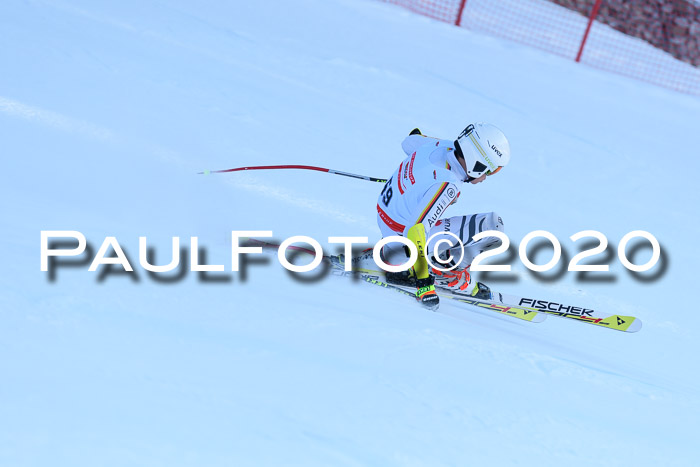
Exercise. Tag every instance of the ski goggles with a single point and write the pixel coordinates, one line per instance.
(481, 167)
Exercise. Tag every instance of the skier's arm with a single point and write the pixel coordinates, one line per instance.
(412, 142)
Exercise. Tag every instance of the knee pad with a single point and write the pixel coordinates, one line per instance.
(466, 227)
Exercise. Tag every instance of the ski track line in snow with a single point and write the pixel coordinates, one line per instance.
(71, 125)
(251, 183)
(240, 62)
(53, 119)
(228, 59)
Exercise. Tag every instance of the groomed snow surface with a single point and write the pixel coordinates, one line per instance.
(108, 111)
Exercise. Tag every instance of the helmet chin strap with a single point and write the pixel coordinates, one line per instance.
(454, 161)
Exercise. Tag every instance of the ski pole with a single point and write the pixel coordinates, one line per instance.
(301, 167)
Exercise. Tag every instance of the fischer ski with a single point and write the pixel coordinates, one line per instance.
(524, 314)
(511, 305)
(586, 315)
(375, 278)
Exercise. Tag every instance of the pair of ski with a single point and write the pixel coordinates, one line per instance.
(378, 280)
(527, 309)
(503, 303)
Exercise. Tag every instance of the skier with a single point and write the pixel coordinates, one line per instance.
(415, 198)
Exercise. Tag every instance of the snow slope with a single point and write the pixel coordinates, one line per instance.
(108, 110)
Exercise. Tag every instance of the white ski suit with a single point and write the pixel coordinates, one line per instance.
(421, 189)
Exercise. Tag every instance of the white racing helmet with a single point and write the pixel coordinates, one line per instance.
(484, 147)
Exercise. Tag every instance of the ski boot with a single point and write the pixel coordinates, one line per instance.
(459, 281)
(456, 279)
(482, 291)
(425, 293)
(404, 278)
(425, 288)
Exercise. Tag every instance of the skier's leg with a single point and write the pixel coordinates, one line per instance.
(419, 274)
(449, 255)
(425, 288)
(465, 228)
(392, 253)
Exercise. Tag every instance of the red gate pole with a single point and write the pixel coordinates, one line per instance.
(458, 20)
(594, 13)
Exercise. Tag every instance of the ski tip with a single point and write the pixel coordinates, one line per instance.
(635, 326)
(620, 323)
(538, 318)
